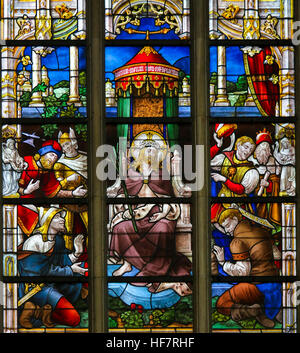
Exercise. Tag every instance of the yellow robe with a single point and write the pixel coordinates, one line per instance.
(62, 172)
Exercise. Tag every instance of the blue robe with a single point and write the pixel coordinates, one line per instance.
(54, 263)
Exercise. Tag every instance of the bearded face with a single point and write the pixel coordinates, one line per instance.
(263, 153)
(48, 160)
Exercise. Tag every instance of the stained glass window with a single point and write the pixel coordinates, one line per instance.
(148, 82)
(253, 166)
(149, 258)
(148, 19)
(148, 115)
(251, 81)
(250, 19)
(43, 20)
(43, 82)
(44, 167)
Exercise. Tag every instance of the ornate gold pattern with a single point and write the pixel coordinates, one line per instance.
(251, 26)
(133, 16)
(63, 11)
(230, 13)
(269, 26)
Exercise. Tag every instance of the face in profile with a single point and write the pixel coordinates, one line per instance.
(48, 160)
(58, 223)
(230, 224)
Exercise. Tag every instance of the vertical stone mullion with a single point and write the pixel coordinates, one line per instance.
(97, 210)
(201, 207)
(297, 99)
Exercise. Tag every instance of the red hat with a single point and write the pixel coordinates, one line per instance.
(50, 146)
(263, 136)
(224, 130)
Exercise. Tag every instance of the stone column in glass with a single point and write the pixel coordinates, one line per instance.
(222, 98)
(74, 97)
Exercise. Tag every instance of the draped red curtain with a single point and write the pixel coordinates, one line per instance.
(263, 74)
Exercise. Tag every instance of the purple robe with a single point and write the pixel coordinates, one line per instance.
(152, 250)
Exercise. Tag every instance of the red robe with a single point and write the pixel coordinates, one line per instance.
(49, 187)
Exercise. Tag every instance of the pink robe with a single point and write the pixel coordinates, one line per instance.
(152, 250)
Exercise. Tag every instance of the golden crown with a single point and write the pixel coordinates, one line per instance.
(63, 11)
